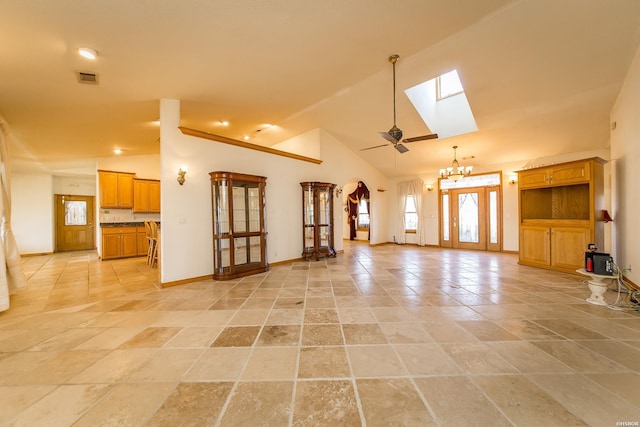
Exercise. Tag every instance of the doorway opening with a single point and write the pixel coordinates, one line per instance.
(470, 213)
(74, 223)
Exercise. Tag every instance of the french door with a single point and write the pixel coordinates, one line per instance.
(470, 218)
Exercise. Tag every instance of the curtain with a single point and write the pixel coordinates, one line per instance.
(409, 188)
(361, 192)
(11, 275)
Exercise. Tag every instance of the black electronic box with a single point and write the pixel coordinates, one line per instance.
(598, 263)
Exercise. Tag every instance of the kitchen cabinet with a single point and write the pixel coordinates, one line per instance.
(119, 242)
(560, 213)
(146, 195)
(142, 243)
(116, 189)
(239, 230)
(317, 219)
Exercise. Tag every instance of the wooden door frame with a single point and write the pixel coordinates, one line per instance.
(495, 247)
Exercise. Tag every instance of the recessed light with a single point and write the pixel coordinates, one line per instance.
(224, 123)
(117, 151)
(246, 138)
(88, 53)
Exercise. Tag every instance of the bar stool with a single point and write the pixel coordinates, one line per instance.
(155, 244)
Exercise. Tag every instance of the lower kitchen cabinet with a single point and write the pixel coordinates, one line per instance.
(119, 242)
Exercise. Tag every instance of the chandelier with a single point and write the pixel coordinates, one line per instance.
(455, 171)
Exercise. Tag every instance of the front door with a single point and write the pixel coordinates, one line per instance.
(75, 228)
(470, 218)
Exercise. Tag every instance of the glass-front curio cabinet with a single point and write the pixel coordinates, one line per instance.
(317, 219)
(239, 234)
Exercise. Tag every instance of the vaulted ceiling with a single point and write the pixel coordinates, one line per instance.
(541, 76)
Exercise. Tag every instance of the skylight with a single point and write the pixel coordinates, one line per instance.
(443, 105)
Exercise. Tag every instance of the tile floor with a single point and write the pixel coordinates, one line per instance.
(378, 336)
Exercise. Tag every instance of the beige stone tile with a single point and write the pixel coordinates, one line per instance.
(63, 406)
(320, 302)
(28, 338)
(285, 317)
(259, 404)
(524, 403)
(219, 364)
(375, 361)
(455, 400)
(16, 364)
(528, 330)
(279, 335)
(16, 399)
(194, 337)
(387, 402)
(127, 404)
(569, 329)
(486, 330)
(478, 358)
(249, 317)
(447, 331)
(616, 351)
(109, 339)
(192, 404)
(405, 333)
(351, 301)
(318, 335)
(589, 401)
(330, 403)
(392, 314)
(152, 337)
(321, 315)
(426, 359)
(528, 358)
(579, 358)
(363, 333)
(323, 362)
(271, 363)
(60, 368)
(289, 303)
(237, 336)
(356, 315)
(625, 385)
(114, 366)
(166, 365)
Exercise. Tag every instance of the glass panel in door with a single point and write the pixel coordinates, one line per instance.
(468, 218)
(323, 202)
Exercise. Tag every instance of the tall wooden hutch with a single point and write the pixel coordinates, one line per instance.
(239, 234)
(317, 219)
(560, 209)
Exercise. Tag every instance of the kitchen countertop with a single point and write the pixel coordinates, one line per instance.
(124, 224)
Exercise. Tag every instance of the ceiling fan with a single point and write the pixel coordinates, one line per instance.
(394, 135)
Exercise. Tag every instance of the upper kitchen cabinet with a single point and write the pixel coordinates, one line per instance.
(116, 189)
(146, 195)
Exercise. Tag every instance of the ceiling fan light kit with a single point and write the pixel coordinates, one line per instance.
(394, 135)
(455, 172)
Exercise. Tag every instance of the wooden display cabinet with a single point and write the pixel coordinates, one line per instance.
(239, 233)
(317, 219)
(560, 213)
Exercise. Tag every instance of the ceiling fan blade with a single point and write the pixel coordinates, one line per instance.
(388, 137)
(421, 138)
(401, 148)
(371, 148)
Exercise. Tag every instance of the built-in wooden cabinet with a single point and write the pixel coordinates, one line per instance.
(560, 213)
(119, 242)
(239, 232)
(317, 219)
(142, 243)
(116, 189)
(146, 195)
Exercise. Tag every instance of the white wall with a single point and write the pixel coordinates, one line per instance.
(187, 244)
(32, 212)
(625, 175)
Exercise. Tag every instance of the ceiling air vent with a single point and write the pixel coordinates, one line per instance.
(89, 78)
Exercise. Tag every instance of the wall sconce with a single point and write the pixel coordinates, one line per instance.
(338, 192)
(513, 178)
(605, 216)
(429, 187)
(181, 173)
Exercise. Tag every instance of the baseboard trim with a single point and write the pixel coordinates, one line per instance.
(36, 254)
